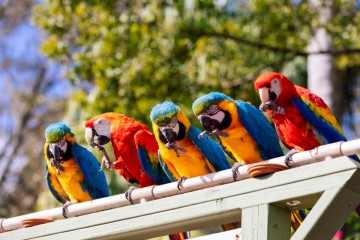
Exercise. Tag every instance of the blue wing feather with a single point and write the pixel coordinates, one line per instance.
(262, 133)
(96, 180)
(154, 170)
(327, 131)
(211, 150)
(165, 168)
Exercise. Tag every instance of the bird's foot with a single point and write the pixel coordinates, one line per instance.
(202, 134)
(175, 147)
(235, 168)
(180, 182)
(128, 194)
(218, 133)
(65, 208)
(288, 157)
(107, 163)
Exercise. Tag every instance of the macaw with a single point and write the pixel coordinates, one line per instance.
(72, 172)
(242, 130)
(135, 150)
(135, 147)
(181, 153)
(302, 119)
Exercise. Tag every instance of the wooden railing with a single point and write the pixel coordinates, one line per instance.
(330, 188)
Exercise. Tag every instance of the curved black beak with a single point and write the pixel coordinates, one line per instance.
(208, 123)
(57, 152)
(169, 134)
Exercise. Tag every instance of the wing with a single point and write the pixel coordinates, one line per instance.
(260, 130)
(211, 150)
(169, 170)
(319, 115)
(90, 167)
(147, 149)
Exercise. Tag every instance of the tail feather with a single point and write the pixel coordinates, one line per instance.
(178, 236)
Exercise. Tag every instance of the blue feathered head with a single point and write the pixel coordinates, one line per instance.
(56, 131)
(201, 104)
(163, 113)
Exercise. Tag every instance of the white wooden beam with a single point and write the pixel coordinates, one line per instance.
(203, 208)
(328, 215)
(265, 221)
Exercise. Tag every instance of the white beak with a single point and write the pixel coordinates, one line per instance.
(264, 94)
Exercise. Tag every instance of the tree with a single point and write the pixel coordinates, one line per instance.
(28, 84)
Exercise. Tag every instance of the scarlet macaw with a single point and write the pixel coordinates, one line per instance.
(302, 119)
(130, 139)
(72, 172)
(135, 150)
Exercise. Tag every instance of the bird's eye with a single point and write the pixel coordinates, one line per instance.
(99, 121)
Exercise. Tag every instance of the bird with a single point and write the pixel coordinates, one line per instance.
(241, 129)
(72, 172)
(302, 119)
(122, 131)
(243, 132)
(181, 153)
(135, 149)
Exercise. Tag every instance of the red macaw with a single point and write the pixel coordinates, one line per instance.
(302, 119)
(122, 131)
(135, 150)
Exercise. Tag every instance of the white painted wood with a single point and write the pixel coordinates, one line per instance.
(206, 181)
(265, 221)
(228, 235)
(328, 215)
(202, 208)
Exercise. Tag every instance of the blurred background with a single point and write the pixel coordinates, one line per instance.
(68, 60)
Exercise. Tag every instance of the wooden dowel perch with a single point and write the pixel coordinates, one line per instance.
(155, 192)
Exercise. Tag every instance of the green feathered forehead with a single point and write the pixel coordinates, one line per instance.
(203, 103)
(56, 131)
(162, 114)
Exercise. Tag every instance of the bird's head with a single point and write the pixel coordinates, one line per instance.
(98, 130)
(170, 121)
(59, 137)
(274, 88)
(211, 116)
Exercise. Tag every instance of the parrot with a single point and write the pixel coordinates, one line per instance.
(135, 149)
(242, 130)
(179, 146)
(302, 119)
(72, 172)
(181, 153)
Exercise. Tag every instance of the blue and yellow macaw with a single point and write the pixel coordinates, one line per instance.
(181, 152)
(72, 172)
(243, 131)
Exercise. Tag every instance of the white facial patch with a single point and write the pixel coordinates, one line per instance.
(62, 145)
(276, 87)
(102, 127)
(174, 126)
